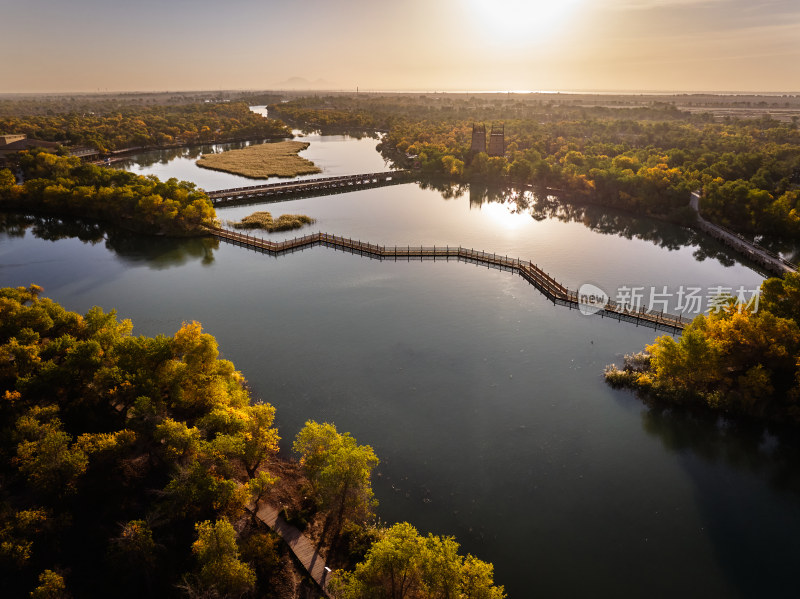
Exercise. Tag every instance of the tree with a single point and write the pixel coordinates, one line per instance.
(339, 470)
(736, 359)
(7, 178)
(403, 564)
(220, 568)
(133, 557)
(260, 486)
(782, 296)
(51, 586)
(135, 546)
(260, 550)
(260, 437)
(46, 455)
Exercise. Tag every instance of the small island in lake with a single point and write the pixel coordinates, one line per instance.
(264, 220)
(262, 161)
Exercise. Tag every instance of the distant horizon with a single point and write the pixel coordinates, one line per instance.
(342, 90)
(452, 46)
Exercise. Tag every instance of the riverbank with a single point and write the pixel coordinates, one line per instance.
(123, 154)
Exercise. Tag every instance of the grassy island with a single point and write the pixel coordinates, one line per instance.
(264, 220)
(262, 161)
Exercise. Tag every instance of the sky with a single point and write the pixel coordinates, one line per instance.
(414, 45)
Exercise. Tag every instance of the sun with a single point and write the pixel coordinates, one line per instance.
(504, 215)
(513, 18)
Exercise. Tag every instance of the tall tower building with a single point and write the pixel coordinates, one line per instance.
(497, 140)
(478, 139)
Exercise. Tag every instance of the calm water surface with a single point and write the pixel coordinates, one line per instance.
(485, 402)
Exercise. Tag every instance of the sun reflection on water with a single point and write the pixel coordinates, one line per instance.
(505, 215)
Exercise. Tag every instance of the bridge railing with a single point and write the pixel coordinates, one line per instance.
(749, 244)
(314, 181)
(532, 273)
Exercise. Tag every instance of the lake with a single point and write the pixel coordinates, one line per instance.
(485, 402)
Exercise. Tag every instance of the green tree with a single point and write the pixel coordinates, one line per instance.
(260, 437)
(217, 553)
(260, 486)
(7, 178)
(403, 564)
(340, 470)
(781, 297)
(46, 454)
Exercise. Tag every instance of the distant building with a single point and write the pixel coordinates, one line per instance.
(11, 138)
(497, 141)
(17, 142)
(478, 139)
(85, 153)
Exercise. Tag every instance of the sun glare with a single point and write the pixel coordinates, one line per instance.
(504, 215)
(520, 17)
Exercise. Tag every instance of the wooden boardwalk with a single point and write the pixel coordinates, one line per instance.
(768, 260)
(529, 271)
(303, 548)
(293, 188)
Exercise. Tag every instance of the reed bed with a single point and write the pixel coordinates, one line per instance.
(264, 220)
(262, 161)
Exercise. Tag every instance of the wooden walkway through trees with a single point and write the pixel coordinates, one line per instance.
(537, 277)
(301, 546)
(320, 186)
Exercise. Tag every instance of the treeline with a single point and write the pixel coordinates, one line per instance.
(328, 120)
(749, 171)
(108, 128)
(105, 103)
(65, 186)
(128, 464)
(644, 159)
(372, 111)
(113, 447)
(741, 360)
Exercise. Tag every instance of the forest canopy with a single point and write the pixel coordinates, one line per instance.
(107, 126)
(114, 446)
(66, 186)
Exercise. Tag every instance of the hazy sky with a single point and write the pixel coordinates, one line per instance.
(90, 45)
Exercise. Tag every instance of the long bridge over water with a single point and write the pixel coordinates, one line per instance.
(765, 258)
(320, 186)
(551, 288)
(547, 285)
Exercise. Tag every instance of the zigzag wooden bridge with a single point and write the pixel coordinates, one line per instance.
(537, 277)
(290, 189)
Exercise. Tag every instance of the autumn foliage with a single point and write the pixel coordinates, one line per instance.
(108, 126)
(66, 187)
(114, 446)
(737, 360)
